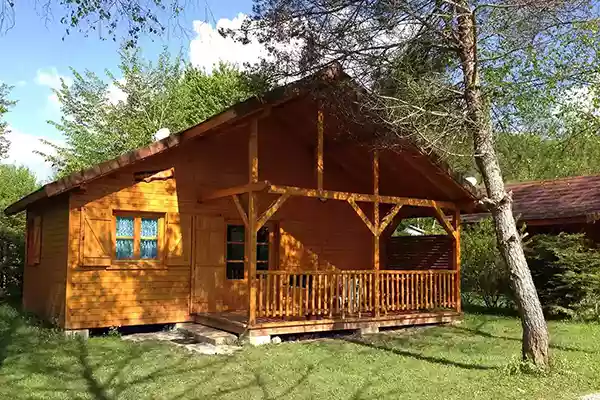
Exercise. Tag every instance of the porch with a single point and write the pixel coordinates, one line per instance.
(300, 296)
(301, 302)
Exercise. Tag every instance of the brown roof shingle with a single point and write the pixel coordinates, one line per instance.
(571, 197)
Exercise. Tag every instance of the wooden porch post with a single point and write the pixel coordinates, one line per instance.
(376, 232)
(456, 226)
(251, 228)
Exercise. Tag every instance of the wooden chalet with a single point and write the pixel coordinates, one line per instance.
(261, 220)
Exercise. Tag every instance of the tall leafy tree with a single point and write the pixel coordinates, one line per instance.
(102, 120)
(5, 104)
(15, 182)
(471, 50)
(110, 19)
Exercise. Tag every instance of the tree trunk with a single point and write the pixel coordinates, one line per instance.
(535, 331)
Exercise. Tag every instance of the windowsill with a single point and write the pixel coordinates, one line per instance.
(137, 264)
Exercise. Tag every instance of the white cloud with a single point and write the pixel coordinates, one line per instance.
(52, 79)
(209, 48)
(21, 152)
(114, 94)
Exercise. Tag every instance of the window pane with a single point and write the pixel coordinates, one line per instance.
(124, 248)
(235, 233)
(262, 266)
(263, 235)
(149, 248)
(235, 270)
(262, 252)
(235, 251)
(124, 226)
(149, 228)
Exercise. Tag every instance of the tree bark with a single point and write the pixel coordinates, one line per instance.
(535, 331)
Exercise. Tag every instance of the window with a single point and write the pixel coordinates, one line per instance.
(136, 237)
(236, 236)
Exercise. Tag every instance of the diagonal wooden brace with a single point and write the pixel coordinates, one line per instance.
(240, 208)
(362, 216)
(271, 211)
(439, 215)
(389, 217)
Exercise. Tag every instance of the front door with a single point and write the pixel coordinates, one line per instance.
(212, 291)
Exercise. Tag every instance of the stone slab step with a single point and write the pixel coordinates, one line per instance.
(206, 334)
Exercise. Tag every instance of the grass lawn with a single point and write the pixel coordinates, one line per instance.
(474, 360)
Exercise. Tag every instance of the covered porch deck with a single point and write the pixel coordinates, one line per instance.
(301, 302)
(296, 300)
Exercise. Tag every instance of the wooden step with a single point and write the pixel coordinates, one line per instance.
(206, 334)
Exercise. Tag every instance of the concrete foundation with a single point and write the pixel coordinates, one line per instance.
(259, 340)
(369, 330)
(82, 333)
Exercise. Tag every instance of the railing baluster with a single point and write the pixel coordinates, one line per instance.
(260, 295)
(344, 295)
(281, 277)
(319, 295)
(268, 295)
(445, 290)
(331, 280)
(430, 290)
(421, 294)
(294, 289)
(413, 284)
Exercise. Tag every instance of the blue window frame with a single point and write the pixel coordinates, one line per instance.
(137, 237)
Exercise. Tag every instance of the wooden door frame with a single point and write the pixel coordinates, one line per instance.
(274, 244)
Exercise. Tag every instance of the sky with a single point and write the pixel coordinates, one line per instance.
(39, 54)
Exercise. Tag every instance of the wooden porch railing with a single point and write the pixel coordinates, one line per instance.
(344, 294)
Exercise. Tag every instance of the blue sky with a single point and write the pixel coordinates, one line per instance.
(39, 53)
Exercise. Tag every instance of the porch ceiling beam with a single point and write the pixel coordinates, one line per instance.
(439, 215)
(271, 211)
(220, 193)
(363, 216)
(344, 196)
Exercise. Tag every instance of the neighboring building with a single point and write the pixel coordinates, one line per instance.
(260, 220)
(556, 205)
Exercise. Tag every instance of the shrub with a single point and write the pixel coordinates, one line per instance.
(483, 272)
(566, 272)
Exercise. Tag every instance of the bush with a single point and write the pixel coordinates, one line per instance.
(566, 272)
(12, 254)
(483, 272)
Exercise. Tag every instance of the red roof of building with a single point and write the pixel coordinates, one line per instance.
(576, 198)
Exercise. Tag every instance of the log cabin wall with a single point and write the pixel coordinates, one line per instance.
(121, 294)
(312, 234)
(44, 280)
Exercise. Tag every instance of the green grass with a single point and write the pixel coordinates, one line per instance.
(474, 360)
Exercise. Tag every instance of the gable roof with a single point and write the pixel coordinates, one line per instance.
(565, 198)
(234, 114)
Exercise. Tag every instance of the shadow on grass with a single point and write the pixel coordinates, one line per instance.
(478, 330)
(484, 310)
(108, 369)
(418, 356)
